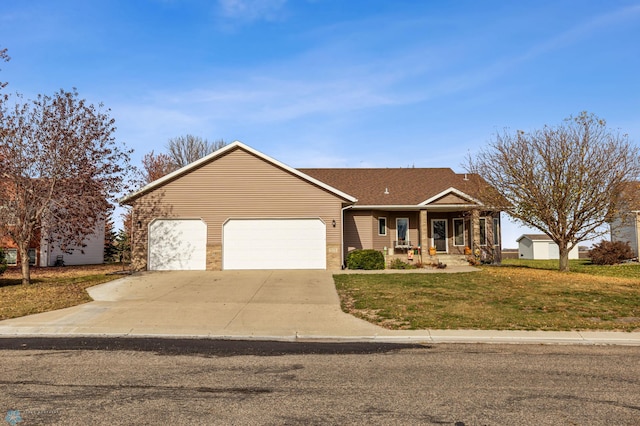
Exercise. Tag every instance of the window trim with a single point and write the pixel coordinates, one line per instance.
(464, 236)
(496, 231)
(14, 250)
(382, 218)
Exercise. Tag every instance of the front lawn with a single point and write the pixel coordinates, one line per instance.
(516, 296)
(625, 270)
(50, 288)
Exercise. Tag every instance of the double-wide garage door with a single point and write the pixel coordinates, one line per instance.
(181, 244)
(274, 244)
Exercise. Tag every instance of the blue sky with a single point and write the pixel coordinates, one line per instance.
(333, 83)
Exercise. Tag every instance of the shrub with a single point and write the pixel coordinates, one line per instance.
(365, 259)
(3, 262)
(610, 253)
(399, 264)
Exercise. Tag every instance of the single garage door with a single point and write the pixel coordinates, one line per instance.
(274, 244)
(177, 244)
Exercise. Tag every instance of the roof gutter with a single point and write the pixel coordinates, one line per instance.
(415, 207)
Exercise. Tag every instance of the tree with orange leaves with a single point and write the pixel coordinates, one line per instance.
(60, 166)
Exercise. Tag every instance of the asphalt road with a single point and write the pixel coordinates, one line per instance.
(154, 381)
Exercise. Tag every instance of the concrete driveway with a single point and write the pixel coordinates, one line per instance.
(281, 304)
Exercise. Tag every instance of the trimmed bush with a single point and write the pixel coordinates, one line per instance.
(365, 259)
(399, 264)
(610, 253)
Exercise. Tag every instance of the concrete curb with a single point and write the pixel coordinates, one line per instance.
(427, 337)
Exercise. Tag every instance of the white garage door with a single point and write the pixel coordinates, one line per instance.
(274, 244)
(177, 244)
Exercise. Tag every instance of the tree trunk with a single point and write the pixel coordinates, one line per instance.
(564, 257)
(24, 262)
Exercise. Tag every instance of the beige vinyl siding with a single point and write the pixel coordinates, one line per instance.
(361, 229)
(241, 185)
(413, 226)
(451, 199)
(381, 241)
(358, 230)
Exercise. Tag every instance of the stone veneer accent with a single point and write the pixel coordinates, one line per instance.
(424, 236)
(334, 257)
(214, 257)
(475, 226)
(139, 252)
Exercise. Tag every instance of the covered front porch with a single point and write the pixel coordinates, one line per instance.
(428, 235)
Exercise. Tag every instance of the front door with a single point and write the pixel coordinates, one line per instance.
(439, 233)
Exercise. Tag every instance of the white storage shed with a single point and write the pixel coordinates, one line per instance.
(540, 246)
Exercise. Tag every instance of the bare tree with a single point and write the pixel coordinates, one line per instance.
(60, 167)
(4, 57)
(565, 181)
(184, 150)
(156, 166)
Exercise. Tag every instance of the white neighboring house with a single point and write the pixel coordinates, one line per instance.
(91, 254)
(625, 227)
(541, 247)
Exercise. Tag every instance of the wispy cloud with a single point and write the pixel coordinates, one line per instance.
(336, 78)
(247, 11)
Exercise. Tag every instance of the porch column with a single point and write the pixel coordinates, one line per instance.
(424, 233)
(475, 230)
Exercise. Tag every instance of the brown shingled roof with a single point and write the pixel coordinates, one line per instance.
(410, 186)
(535, 237)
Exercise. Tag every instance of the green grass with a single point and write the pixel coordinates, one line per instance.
(519, 296)
(625, 270)
(50, 288)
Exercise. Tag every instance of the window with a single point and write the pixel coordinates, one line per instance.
(402, 231)
(382, 226)
(11, 256)
(496, 231)
(458, 232)
(483, 231)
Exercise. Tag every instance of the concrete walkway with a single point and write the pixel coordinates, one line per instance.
(261, 305)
